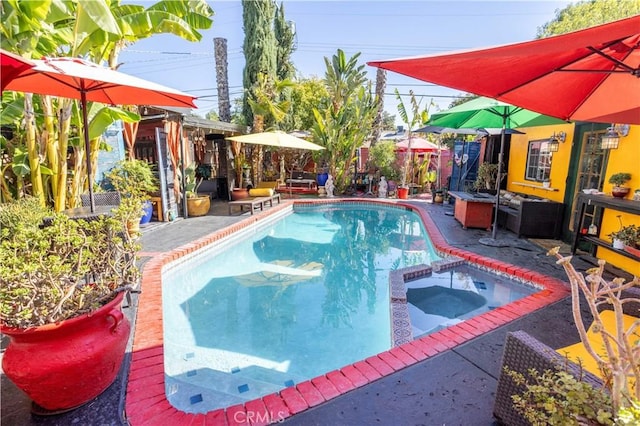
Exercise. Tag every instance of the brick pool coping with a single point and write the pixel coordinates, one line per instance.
(146, 402)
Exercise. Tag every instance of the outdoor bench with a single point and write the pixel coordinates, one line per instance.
(530, 216)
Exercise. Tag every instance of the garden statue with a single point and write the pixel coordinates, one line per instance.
(328, 186)
(382, 187)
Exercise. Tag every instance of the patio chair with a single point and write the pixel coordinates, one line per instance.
(110, 198)
(523, 352)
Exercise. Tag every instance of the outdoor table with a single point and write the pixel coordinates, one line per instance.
(473, 210)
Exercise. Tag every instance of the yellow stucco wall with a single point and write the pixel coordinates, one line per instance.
(624, 159)
(559, 162)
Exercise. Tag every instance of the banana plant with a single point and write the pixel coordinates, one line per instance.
(96, 31)
(417, 117)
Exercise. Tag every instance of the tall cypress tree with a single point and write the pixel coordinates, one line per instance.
(259, 46)
(285, 38)
(285, 70)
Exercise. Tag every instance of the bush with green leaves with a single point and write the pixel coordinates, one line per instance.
(134, 180)
(619, 179)
(558, 398)
(60, 269)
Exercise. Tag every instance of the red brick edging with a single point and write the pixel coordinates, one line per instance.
(146, 403)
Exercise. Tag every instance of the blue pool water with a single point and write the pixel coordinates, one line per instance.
(451, 296)
(303, 296)
(298, 298)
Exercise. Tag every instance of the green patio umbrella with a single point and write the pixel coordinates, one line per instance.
(484, 112)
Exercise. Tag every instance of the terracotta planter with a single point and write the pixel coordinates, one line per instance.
(403, 193)
(620, 191)
(239, 193)
(64, 365)
(198, 206)
(634, 251)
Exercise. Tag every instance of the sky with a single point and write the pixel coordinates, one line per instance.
(376, 29)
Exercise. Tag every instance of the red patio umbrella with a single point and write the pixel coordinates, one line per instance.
(417, 145)
(589, 75)
(78, 79)
(11, 65)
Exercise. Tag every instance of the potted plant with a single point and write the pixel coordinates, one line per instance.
(61, 287)
(134, 180)
(197, 205)
(486, 177)
(618, 180)
(627, 238)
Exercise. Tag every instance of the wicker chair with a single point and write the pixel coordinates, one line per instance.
(111, 198)
(523, 352)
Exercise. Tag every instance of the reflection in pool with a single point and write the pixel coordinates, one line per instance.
(305, 295)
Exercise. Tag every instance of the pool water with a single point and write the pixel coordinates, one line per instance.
(448, 297)
(301, 297)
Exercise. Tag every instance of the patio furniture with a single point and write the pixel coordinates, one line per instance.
(255, 202)
(473, 210)
(530, 216)
(523, 352)
(110, 198)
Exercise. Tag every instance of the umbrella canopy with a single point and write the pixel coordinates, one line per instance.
(486, 113)
(417, 145)
(79, 79)
(439, 130)
(588, 75)
(482, 112)
(73, 78)
(276, 138)
(11, 65)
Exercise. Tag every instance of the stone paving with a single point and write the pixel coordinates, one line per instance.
(456, 386)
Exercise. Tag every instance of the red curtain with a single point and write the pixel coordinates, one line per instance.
(173, 129)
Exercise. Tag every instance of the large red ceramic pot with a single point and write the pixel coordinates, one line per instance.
(64, 365)
(403, 193)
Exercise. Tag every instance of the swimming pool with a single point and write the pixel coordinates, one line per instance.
(279, 305)
(147, 382)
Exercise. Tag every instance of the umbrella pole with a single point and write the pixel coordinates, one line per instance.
(87, 148)
(498, 179)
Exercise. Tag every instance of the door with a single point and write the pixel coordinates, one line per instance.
(465, 165)
(590, 175)
(166, 177)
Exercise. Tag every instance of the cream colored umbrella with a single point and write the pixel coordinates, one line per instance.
(276, 138)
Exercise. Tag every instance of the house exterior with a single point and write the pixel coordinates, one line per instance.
(580, 164)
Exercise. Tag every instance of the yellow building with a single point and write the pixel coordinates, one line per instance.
(580, 163)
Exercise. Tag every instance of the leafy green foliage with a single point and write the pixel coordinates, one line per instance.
(558, 398)
(344, 126)
(55, 272)
(134, 179)
(306, 95)
(417, 117)
(383, 157)
(619, 179)
(629, 416)
(584, 14)
(259, 47)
